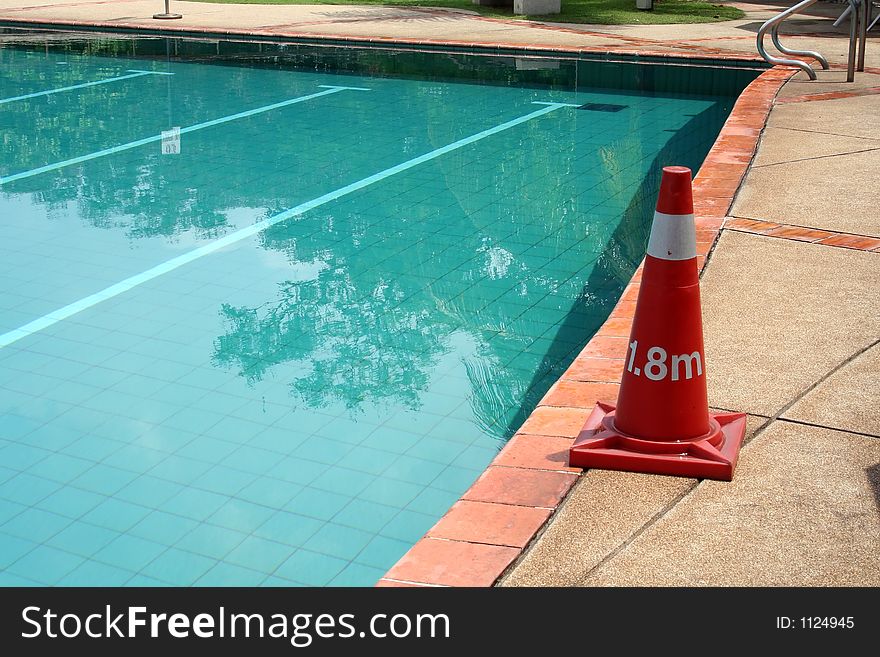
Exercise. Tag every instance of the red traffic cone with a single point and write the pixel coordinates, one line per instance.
(662, 423)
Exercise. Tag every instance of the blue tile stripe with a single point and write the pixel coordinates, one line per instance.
(330, 89)
(133, 73)
(130, 283)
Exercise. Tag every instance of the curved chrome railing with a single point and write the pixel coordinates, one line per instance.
(774, 36)
(773, 26)
(860, 15)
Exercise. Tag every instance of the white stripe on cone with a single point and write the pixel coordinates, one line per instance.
(673, 237)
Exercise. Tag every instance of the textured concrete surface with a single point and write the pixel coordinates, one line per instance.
(847, 399)
(781, 145)
(850, 117)
(778, 315)
(603, 512)
(802, 511)
(811, 147)
(833, 80)
(798, 193)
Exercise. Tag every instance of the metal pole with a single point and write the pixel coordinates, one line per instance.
(853, 37)
(167, 13)
(863, 34)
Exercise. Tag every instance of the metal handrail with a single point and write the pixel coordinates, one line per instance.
(774, 35)
(773, 24)
(858, 27)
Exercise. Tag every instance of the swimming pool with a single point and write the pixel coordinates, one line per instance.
(268, 309)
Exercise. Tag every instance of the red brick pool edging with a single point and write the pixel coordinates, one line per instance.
(489, 528)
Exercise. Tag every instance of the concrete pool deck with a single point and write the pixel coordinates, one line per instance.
(790, 295)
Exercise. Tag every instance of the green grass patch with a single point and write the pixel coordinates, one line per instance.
(602, 12)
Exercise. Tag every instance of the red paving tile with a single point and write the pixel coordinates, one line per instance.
(798, 233)
(606, 346)
(830, 95)
(802, 234)
(536, 452)
(555, 421)
(453, 563)
(502, 485)
(751, 225)
(579, 394)
(490, 523)
(705, 206)
(859, 242)
(617, 326)
(596, 369)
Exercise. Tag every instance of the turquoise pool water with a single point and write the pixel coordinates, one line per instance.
(277, 356)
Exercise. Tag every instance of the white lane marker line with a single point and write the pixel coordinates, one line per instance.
(330, 89)
(541, 102)
(132, 282)
(133, 73)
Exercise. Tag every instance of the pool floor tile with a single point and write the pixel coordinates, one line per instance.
(178, 568)
(12, 548)
(240, 515)
(103, 479)
(298, 408)
(27, 489)
(269, 492)
(408, 526)
(195, 503)
(35, 524)
(227, 574)
(338, 541)
(289, 528)
(311, 568)
(94, 574)
(116, 514)
(211, 541)
(319, 504)
(364, 515)
(129, 552)
(259, 554)
(383, 552)
(356, 574)
(82, 539)
(163, 527)
(45, 564)
(224, 481)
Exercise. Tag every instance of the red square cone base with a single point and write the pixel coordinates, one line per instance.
(712, 456)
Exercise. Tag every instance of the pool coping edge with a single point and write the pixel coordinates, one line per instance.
(708, 56)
